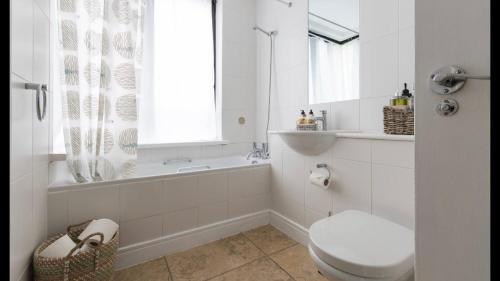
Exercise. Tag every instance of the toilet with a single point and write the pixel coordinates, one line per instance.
(357, 246)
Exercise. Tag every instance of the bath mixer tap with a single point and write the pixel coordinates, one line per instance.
(256, 152)
(322, 118)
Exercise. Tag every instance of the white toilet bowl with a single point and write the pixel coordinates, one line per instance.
(357, 246)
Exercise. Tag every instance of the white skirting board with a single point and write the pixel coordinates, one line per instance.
(166, 245)
(294, 230)
(156, 248)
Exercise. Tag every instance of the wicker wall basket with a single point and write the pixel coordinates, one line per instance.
(95, 263)
(398, 121)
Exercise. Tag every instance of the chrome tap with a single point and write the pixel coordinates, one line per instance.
(322, 119)
(261, 153)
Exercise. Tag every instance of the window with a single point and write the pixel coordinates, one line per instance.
(178, 104)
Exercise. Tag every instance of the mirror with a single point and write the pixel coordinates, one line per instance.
(333, 50)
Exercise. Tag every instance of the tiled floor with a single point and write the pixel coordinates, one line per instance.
(260, 254)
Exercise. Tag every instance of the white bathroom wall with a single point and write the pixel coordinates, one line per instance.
(386, 62)
(236, 70)
(375, 176)
(28, 136)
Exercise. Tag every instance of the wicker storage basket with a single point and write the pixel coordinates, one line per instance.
(398, 121)
(95, 263)
(307, 127)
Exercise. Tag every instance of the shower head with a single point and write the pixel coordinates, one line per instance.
(265, 32)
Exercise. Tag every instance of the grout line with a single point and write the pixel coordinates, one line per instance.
(168, 268)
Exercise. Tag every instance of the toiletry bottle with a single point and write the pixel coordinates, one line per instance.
(399, 100)
(411, 99)
(302, 118)
(311, 120)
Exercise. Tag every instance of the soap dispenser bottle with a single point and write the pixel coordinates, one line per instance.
(311, 120)
(302, 118)
(411, 101)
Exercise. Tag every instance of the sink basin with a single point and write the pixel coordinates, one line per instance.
(308, 142)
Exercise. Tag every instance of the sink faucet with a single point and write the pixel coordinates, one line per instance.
(322, 118)
(256, 152)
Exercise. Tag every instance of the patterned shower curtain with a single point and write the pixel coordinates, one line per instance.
(101, 49)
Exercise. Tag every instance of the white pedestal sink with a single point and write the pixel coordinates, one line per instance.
(309, 142)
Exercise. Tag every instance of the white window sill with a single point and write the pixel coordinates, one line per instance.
(181, 144)
(62, 156)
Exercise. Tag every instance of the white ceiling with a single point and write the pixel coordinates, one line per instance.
(343, 12)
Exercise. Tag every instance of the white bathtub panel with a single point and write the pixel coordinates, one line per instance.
(142, 199)
(57, 212)
(139, 230)
(211, 213)
(211, 188)
(179, 193)
(94, 203)
(249, 204)
(180, 220)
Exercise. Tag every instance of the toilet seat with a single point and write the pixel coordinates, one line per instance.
(363, 245)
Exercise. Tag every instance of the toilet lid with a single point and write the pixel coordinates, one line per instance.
(363, 244)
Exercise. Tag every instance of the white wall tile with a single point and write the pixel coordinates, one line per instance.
(180, 220)
(57, 212)
(233, 149)
(377, 18)
(294, 174)
(40, 184)
(372, 115)
(141, 199)
(288, 207)
(21, 224)
(233, 130)
(352, 149)
(394, 194)
(211, 151)
(344, 115)
(378, 69)
(189, 152)
(212, 212)
(406, 58)
(211, 188)
(238, 92)
(351, 186)
(44, 6)
(93, 203)
(22, 38)
(179, 193)
(140, 230)
(312, 217)
(395, 153)
(406, 13)
(21, 115)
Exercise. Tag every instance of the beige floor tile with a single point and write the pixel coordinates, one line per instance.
(262, 269)
(155, 270)
(212, 259)
(269, 239)
(297, 262)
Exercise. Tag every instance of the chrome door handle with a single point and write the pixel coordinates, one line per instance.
(450, 79)
(40, 88)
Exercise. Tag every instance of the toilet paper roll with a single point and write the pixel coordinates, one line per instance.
(105, 226)
(319, 180)
(59, 248)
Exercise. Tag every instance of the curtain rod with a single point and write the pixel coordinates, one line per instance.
(289, 3)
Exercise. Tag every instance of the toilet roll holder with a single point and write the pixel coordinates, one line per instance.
(323, 166)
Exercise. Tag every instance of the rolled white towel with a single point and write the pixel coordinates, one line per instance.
(59, 248)
(105, 226)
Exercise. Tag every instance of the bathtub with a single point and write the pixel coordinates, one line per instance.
(60, 177)
(168, 206)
